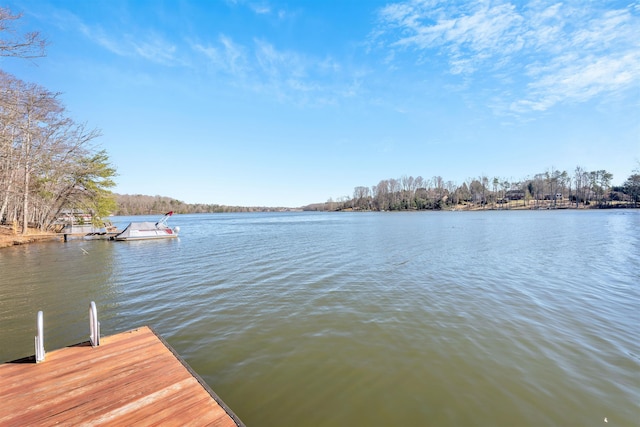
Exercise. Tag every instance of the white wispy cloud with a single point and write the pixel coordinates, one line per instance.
(260, 8)
(469, 37)
(285, 74)
(263, 7)
(559, 52)
(143, 44)
(226, 55)
(154, 48)
(276, 63)
(100, 37)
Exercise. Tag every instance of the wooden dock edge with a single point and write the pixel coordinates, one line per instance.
(198, 378)
(9, 373)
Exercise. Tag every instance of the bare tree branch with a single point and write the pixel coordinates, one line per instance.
(13, 44)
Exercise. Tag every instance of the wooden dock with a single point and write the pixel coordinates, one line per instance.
(132, 378)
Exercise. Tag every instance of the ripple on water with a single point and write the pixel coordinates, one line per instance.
(486, 318)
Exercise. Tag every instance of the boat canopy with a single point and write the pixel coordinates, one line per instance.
(149, 230)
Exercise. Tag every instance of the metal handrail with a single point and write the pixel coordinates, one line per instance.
(94, 325)
(39, 341)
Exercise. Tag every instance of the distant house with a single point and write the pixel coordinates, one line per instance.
(558, 196)
(514, 195)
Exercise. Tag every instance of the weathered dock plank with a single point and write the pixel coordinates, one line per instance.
(132, 378)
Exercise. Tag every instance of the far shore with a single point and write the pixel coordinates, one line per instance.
(12, 237)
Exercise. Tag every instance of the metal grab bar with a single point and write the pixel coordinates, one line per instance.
(94, 325)
(39, 341)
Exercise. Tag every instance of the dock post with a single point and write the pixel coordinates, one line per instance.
(39, 338)
(94, 325)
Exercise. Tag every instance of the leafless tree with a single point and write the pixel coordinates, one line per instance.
(361, 197)
(46, 160)
(13, 44)
(580, 178)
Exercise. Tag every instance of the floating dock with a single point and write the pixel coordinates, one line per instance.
(132, 378)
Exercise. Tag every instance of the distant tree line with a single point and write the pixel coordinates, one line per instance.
(47, 162)
(552, 189)
(138, 204)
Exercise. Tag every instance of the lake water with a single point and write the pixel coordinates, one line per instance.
(499, 318)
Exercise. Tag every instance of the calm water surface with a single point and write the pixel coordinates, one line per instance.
(365, 319)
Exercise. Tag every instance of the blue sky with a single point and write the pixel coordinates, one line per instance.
(286, 103)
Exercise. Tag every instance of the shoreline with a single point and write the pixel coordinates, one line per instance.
(8, 238)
